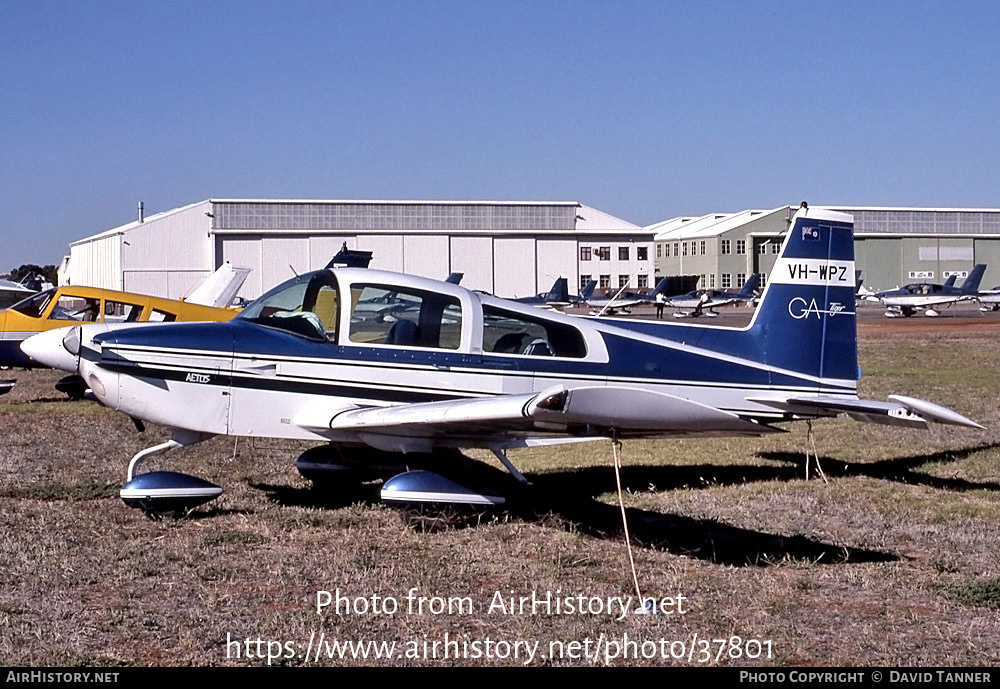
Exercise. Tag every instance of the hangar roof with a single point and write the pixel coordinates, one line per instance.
(711, 225)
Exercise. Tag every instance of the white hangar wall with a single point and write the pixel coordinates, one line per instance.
(506, 248)
(168, 254)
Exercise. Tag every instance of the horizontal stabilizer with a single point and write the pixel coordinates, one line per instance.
(902, 411)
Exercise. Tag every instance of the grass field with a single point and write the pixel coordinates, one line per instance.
(892, 561)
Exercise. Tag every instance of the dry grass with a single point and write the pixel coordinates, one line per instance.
(893, 562)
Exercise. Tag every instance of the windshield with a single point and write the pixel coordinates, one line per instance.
(306, 305)
(35, 304)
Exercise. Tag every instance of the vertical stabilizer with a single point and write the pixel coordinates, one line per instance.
(220, 287)
(970, 285)
(806, 320)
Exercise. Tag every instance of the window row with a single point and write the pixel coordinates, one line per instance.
(603, 253)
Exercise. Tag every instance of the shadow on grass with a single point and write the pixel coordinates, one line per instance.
(569, 500)
(900, 469)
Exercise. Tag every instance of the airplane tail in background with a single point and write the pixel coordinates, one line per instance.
(559, 291)
(588, 290)
(220, 287)
(950, 282)
(749, 288)
(971, 284)
(806, 320)
(660, 286)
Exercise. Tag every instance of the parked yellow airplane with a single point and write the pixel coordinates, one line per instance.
(59, 307)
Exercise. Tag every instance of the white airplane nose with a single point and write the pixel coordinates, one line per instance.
(48, 348)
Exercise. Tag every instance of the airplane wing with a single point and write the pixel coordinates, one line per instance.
(484, 421)
(902, 411)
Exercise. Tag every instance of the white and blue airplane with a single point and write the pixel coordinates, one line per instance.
(703, 302)
(469, 370)
(907, 300)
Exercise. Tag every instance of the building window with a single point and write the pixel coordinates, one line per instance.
(584, 279)
(763, 280)
(605, 281)
(741, 278)
(741, 246)
(684, 248)
(623, 281)
(725, 247)
(641, 253)
(762, 248)
(604, 253)
(623, 253)
(659, 251)
(701, 247)
(584, 253)
(775, 247)
(711, 281)
(675, 249)
(727, 280)
(643, 281)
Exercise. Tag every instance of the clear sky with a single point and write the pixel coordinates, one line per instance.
(645, 110)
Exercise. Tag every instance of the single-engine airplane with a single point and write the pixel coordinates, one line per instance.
(559, 296)
(907, 300)
(297, 364)
(623, 301)
(58, 307)
(702, 302)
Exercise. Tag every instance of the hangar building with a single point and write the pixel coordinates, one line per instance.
(506, 248)
(892, 246)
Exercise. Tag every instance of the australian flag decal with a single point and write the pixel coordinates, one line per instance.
(810, 234)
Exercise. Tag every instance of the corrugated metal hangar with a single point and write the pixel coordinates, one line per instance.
(506, 248)
(511, 249)
(893, 246)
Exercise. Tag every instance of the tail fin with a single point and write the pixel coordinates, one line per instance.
(660, 286)
(220, 287)
(454, 278)
(971, 284)
(559, 291)
(588, 290)
(950, 282)
(806, 321)
(746, 292)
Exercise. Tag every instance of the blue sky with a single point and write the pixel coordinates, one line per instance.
(645, 110)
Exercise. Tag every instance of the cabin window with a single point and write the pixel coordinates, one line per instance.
(157, 316)
(76, 309)
(305, 305)
(121, 312)
(390, 315)
(508, 332)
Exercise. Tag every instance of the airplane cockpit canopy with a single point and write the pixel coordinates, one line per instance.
(305, 305)
(34, 305)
